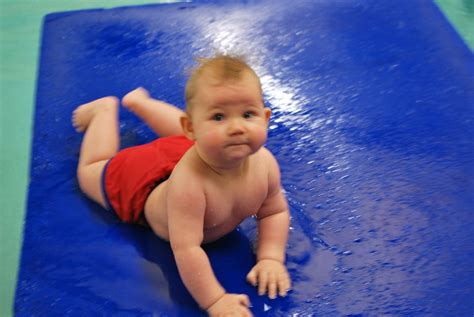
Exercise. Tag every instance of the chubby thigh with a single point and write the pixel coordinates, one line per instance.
(90, 181)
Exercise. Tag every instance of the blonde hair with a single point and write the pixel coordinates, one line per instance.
(223, 68)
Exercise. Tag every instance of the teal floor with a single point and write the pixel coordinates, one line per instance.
(20, 31)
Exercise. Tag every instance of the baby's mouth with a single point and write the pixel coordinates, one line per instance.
(231, 144)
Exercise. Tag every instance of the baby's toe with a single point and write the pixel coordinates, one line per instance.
(77, 125)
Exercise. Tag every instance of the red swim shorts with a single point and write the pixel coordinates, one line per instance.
(130, 176)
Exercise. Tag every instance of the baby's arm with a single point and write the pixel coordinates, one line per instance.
(270, 273)
(186, 208)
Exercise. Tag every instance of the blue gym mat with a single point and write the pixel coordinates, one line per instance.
(373, 125)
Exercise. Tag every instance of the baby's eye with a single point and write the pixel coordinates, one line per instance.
(218, 117)
(248, 114)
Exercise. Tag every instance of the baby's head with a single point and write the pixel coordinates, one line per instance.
(217, 71)
(225, 114)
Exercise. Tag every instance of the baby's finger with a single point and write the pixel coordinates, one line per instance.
(284, 285)
(244, 312)
(262, 283)
(244, 300)
(272, 286)
(252, 277)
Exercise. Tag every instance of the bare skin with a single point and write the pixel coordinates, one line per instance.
(160, 116)
(100, 143)
(224, 178)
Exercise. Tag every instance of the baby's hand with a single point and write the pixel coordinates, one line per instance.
(230, 305)
(270, 275)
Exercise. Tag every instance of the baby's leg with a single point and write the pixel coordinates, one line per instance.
(101, 142)
(161, 117)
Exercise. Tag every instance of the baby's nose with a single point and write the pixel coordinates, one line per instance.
(236, 127)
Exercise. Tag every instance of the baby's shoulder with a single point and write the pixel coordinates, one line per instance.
(187, 170)
(265, 157)
(268, 164)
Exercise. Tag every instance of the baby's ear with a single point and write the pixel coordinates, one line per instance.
(187, 125)
(268, 113)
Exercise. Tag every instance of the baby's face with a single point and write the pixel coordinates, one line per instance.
(229, 119)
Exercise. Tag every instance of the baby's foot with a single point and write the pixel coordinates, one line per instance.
(82, 116)
(135, 98)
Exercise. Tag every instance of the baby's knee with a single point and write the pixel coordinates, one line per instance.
(109, 104)
(82, 177)
(89, 177)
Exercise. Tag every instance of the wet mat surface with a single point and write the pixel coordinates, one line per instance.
(372, 125)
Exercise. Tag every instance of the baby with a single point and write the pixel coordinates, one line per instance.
(206, 173)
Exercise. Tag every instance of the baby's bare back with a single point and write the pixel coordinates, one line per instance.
(229, 199)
